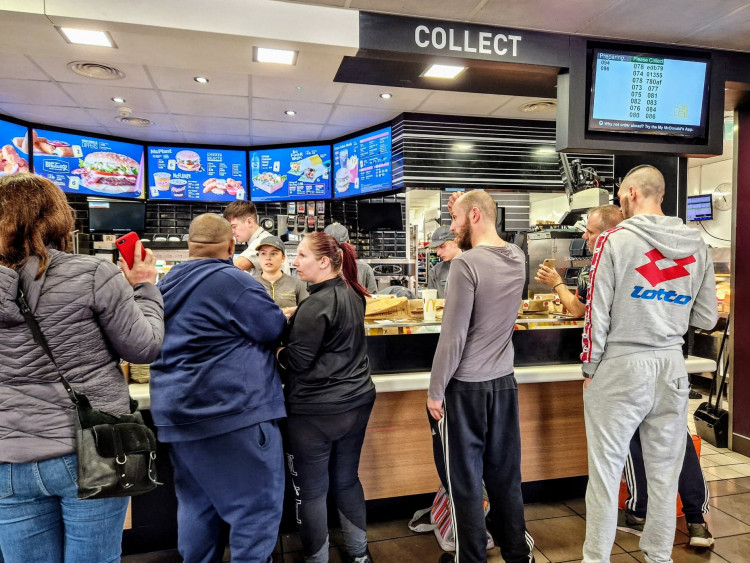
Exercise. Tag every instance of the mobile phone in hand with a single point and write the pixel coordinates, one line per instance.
(126, 246)
(550, 263)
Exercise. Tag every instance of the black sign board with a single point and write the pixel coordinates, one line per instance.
(382, 32)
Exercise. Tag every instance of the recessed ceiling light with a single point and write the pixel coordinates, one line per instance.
(118, 100)
(277, 56)
(386, 96)
(201, 79)
(86, 37)
(462, 147)
(443, 71)
(290, 112)
(545, 150)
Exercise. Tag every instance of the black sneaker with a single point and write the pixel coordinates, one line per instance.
(694, 395)
(447, 558)
(628, 522)
(700, 536)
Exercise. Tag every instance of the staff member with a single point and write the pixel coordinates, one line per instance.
(286, 291)
(365, 274)
(329, 394)
(444, 243)
(243, 217)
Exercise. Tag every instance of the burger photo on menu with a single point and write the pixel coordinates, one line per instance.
(189, 161)
(108, 172)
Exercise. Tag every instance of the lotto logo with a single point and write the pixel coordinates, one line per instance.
(660, 295)
(655, 275)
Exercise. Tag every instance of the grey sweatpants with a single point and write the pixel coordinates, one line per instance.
(647, 390)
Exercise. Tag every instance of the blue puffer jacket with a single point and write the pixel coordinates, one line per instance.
(91, 318)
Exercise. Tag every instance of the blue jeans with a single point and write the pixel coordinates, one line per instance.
(41, 518)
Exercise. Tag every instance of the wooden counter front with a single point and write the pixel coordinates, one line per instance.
(397, 454)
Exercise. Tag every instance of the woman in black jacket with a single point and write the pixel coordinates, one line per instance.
(329, 395)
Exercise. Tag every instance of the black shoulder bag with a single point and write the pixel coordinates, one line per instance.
(116, 454)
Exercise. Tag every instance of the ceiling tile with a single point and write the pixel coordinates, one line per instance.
(181, 80)
(19, 66)
(569, 16)
(295, 90)
(331, 132)
(292, 131)
(35, 92)
(360, 117)
(240, 141)
(138, 99)
(262, 141)
(726, 33)
(75, 118)
(512, 109)
(212, 125)
(307, 112)
(365, 95)
(107, 117)
(56, 67)
(448, 9)
(462, 103)
(203, 104)
(626, 19)
(147, 135)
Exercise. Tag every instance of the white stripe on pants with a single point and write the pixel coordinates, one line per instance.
(647, 390)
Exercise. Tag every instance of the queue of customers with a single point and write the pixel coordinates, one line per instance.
(220, 347)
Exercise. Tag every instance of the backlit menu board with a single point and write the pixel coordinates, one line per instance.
(14, 154)
(193, 174)
(289, 174)
(88, 165)
(363, 164)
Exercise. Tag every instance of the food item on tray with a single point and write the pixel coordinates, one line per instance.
(189, 161)
(220, 186)
(11, 162)
(295, 167)
(310, 173)
(269, 181)
(108, 172)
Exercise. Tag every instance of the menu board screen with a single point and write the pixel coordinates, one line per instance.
(290, 174)
(14, 140)
(651, 94)
(88, 165)
(196, 174)
(363, 164)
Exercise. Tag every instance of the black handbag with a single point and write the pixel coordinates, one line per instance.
(116, 454)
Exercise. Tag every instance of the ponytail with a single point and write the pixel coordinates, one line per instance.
(349, 269)
(342, 256)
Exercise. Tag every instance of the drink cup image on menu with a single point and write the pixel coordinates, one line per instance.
(161, 180)
(352, 163)
(178, 187)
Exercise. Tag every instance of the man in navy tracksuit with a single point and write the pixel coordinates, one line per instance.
(216, 397)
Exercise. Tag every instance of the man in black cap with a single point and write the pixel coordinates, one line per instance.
(444, 243)
(285, 290)
(365, 275)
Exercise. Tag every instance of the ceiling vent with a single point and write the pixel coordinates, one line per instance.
(125, 118)
(539, 106)
(99, 71)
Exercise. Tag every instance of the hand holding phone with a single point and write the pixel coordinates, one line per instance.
(126, 246)
(550, 263)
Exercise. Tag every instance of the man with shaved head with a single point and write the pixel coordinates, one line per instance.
(216, 397)
(473, 398)
(651, 277)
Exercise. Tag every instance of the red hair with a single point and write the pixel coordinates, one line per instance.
(342, 256)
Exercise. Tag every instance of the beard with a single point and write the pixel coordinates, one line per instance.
(463, 236)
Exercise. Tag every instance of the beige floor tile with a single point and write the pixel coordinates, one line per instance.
(710, 476)
(738, 456)
(706, 462)
(420, 549)
(724, 517)
(578, 505)
(720, 459)
(493, 556)
(737, 506)
(540, 511)
(725, 487)
(723, 472)
(561, 539)
(687, 554)
(734, 549)
(629, 542)
(743, 468)
(390, 530)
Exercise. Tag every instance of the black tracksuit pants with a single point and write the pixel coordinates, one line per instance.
(692, 485)
(479, 437)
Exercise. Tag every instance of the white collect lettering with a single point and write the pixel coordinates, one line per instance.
(484, 42)
(660, 295)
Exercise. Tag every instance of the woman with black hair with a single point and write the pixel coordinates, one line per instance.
(329, 395)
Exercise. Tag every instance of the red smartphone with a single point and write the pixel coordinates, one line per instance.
(126, 246)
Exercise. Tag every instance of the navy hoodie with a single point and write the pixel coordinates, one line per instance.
(216, 372)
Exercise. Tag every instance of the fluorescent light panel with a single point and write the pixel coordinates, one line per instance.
(277, 56)
(443, 71)
(86, 37)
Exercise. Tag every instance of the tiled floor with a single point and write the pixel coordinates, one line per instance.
(558, 528)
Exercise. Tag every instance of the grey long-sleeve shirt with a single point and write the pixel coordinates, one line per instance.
(486, 285)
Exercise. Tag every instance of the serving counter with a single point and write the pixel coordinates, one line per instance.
(397, 454)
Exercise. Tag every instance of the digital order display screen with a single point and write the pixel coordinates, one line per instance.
(14, 148)
(362, 164)
(700, 208)
(290, 174)
(196, 174)
(88, 165)
(648, 94)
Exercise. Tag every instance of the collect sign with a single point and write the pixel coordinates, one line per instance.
(381, 32)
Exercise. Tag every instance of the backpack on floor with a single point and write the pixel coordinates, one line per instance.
(441, 522)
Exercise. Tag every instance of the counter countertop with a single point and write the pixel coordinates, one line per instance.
(395, 382)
